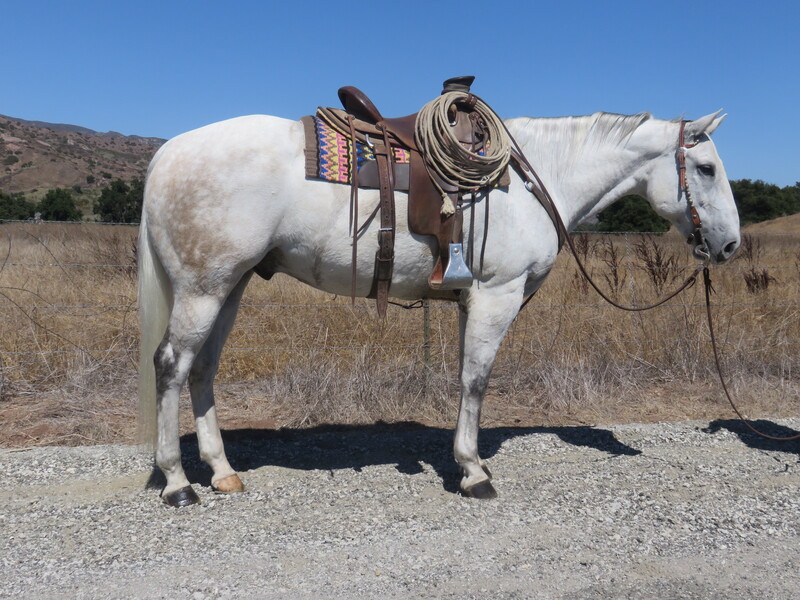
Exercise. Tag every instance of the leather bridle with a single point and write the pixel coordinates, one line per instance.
(535, 186)
(700, 249)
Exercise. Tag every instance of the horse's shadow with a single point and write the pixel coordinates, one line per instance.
(406, 445)
(753, 440)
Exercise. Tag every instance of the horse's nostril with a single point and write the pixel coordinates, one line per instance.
(730, 248)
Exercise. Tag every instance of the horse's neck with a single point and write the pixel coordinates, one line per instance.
(583, 174)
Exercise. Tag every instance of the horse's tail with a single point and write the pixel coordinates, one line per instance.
(155, 302)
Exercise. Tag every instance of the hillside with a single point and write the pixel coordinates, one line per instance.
(787, 224)
(35, 155)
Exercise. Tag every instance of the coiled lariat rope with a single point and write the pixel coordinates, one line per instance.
(446, 155)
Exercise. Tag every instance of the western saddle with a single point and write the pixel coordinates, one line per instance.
(429, 210)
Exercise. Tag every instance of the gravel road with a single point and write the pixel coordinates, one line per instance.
(680, 510)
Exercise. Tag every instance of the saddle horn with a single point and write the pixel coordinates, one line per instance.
(458, 84)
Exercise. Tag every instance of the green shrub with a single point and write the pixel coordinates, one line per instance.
(15, 208)
(58, 205)
(120, 202)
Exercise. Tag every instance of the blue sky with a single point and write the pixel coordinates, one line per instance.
(161, 68)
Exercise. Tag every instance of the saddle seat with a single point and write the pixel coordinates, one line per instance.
(356, 103)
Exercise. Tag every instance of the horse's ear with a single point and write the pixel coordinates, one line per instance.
(715, 123)
(707, 125)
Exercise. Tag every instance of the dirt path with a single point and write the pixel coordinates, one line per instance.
(683, 510)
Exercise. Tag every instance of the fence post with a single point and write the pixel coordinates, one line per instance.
(426, 342)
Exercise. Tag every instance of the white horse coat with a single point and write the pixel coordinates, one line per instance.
(232, 197)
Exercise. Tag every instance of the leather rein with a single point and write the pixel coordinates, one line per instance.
(536, 187)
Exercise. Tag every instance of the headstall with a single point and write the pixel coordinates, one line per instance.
(700, 248)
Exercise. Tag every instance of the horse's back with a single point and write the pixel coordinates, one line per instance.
(234, 146)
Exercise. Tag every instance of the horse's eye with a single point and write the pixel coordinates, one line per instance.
(707, 170)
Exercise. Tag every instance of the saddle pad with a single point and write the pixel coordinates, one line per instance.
(329, 155)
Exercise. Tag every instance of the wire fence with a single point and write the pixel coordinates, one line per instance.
(68, 304)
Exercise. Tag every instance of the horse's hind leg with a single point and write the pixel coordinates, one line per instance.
(190, 323)
(201, 380)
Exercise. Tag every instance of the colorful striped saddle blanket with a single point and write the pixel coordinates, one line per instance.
(332, 156)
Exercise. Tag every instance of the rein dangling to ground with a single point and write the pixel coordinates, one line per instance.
(708, 289)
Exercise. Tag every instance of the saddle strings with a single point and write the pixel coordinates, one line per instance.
(353, 211)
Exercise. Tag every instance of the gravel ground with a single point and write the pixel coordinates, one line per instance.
(681, 510)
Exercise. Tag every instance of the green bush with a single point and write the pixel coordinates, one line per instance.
(15, 208)
(759, 201)
(120, 202)
(58, 205)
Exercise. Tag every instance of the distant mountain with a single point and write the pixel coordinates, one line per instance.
(38, 155)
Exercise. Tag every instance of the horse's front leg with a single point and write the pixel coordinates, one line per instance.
(484, 319)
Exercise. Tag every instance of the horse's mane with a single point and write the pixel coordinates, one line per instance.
(575, 135)
(599, 128)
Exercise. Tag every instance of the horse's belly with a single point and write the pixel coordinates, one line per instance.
(329, 267)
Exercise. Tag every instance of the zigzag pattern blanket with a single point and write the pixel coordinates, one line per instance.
(330, 155)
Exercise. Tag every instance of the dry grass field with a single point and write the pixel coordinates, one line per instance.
(298, 357)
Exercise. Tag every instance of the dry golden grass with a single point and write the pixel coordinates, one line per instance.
(787, 224)
(299, 357)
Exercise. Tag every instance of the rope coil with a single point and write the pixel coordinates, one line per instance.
(446, 155)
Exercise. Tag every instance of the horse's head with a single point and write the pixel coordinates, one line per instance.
(702, 185)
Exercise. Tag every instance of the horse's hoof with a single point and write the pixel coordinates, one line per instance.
(185, 496)
(228, 485)
(482, 491)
